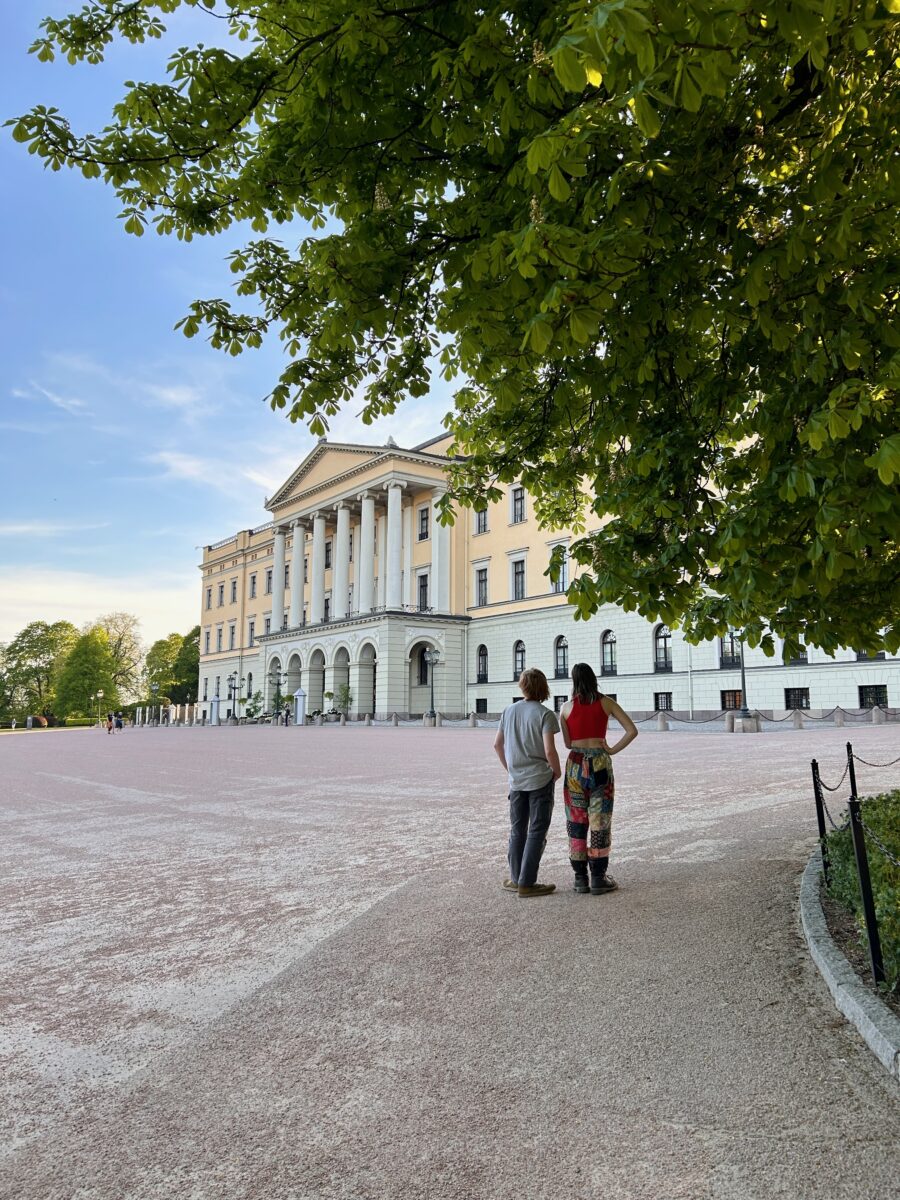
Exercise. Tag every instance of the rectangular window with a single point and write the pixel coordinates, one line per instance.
(560, 584)
(796, 698)
(267, 625)
(800, 660)
(481, 706)
(518, 505)
(218, 679)
(218, 640)
(327, 555)
(731, 699)
(873, 695)
(351, 545)
(519, 579)
(268, 581)
(231, 635)
(252, 587)
(481, 592)
(205, 688)
(209, 597)
(234, 591)
(865, 656)
(350, 600)
(481, 520)
(287, 574)
(251, 633)
(206, 642)
(284, 621)
(306, 570)
(304, 615)
(423, 523)
(423, 592)
(221, 595)
(327, 608)
(558, 702)
(662, 701)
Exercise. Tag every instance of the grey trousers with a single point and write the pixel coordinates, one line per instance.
(529, 820)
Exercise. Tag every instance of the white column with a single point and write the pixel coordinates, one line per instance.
(382, 561)
(340, 580)
(365, 554)
(394, 553)
(317, 571)
(440, 559)
(407, 555)
(354, 541)
(278, 581)
(298, 545)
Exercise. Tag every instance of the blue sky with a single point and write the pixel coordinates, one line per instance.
(123, 445)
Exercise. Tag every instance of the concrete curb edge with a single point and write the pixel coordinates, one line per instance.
(876, 1023)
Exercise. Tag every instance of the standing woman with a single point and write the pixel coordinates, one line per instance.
(589, 788)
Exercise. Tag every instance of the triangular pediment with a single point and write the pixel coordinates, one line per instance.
(331, 461)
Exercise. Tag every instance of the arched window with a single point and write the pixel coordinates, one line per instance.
(518, 659)
(249, 685)
(662, 648)
(608, 653)
(423, 667)
(730, 650)
(482, 667)
(561, 656)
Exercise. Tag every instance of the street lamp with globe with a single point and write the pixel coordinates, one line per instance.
(277, 678)
(99, 703)
(432, 658)
(154, 688)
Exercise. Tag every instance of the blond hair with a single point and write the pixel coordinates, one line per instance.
(534, 685)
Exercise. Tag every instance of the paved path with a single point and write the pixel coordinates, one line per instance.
(245, 963)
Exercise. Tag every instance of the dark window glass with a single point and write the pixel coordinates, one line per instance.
(731, 699)
(561, 658)
(662, 701)
(796, 697)
(800, 659)
(518, 659)
(482, 665)
(865, 656)
(251, 633)
(423, 524)
(481, 706)
(209, 597)
(608, 653)
(872, 695)
(423, 668)
(423, 591)
(268, 580)
(221, 596)
(327, 608)
(481, 525)
(730, 650)
(252, 587)
(662, 649)
(327, 555)
(233, 591)
(481, 592)
(519, 579)
(518, 505)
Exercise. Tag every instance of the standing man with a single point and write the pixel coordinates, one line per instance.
(526, 747)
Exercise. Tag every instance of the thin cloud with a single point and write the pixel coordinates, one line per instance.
(45, 528)
(67, 404)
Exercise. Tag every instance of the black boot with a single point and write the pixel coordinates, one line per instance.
(600, 881)
(581, 875)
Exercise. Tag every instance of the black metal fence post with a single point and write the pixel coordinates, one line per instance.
(820, 818)
(865, 888)
(852, 769)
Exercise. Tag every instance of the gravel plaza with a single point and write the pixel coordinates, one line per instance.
(278, 963)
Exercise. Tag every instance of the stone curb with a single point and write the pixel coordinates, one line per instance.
(876, 1023)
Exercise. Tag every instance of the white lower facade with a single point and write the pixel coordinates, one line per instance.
(379, 657)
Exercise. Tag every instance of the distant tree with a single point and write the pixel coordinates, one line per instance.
(159, 667)
(122, 630)
(89, 668)
(187, 668)
(31, 663)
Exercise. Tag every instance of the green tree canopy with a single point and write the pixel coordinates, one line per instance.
(31, 663)
(187, 668)
(89, 668)
(655, 242)
(159, 666)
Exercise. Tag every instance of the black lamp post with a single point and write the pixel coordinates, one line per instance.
(235, 683)
(432, 658)
(744, 710)
(277, 677)
(154, 688)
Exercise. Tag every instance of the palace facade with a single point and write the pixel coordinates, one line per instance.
(354, 583)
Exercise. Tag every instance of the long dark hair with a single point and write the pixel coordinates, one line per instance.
(584, 684)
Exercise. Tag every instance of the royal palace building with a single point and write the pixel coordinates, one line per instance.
(354, 583)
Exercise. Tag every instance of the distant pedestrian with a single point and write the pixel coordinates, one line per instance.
(526, 747)
(589, 787)
(119, 723)
(109, 722)
(14, 722)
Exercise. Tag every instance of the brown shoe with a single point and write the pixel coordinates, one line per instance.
(510, 886)
(537, 889)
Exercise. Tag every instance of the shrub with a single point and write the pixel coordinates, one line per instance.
(77, 722)
(882, 815)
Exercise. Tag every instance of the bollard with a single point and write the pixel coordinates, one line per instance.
(395, 720)
(473, 721)
(839, 718)
(729, 721)
(798, 719)
(877, 715)
(320, 719)
(661, 723)
(438, 720)
(368, 720)
(343, 720)
(426, 721)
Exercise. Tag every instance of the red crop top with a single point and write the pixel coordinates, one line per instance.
(587, 721)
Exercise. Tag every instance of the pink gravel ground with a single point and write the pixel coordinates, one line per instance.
(278, 963)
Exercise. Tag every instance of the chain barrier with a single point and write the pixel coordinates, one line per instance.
(828, 787)
(692, 721)
(892, 763)
(831, 821)
(880, 844)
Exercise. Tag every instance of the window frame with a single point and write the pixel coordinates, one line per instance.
(793, 693)
(561, 656)
(517, 512)
(517, 670)
(608, 640)
(481, 664)
(662, 637)
(662, 702)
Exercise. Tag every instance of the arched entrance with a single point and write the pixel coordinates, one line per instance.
(274, 690)
(315, 682)
(419, 679)
(294, 676)
(340, 672)
(367, 668)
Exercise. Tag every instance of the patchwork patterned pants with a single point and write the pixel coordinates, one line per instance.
(589, 791)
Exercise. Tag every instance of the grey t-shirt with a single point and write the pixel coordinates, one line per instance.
(524, 725)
